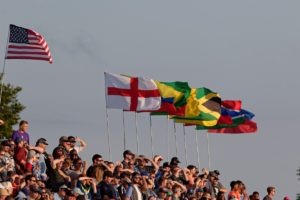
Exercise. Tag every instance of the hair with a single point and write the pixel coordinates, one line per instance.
(23, 122)
(255, 192)
(28, 177)
(95, 157)
(270, 188)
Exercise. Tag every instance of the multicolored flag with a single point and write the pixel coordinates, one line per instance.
(231, 115)
(173, 97)
(203, 108)
(248, 126)
(27, 44)
(131, 93)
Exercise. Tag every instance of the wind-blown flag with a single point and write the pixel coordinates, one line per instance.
(231, 115)
(173, 97)
(27, 44)
(247, 127)
(203, 108)
(131, 93)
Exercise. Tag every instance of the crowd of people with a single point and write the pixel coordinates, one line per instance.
(30, 172)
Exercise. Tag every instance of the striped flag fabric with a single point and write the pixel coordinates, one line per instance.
(27, 44)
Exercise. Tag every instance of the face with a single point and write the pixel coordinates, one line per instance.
(24, 127)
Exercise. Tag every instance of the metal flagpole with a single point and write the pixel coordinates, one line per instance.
(208, 150)
(3, 69)
(185, 150)
(124, 132)
(107, 122)
(175, 137)
(108, 134)
(168, 146)
(198, 153)
(151, 136)
(137, 135)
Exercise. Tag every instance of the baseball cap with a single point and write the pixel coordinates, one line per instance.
(63, 139)
(174, 161)
(76, 190)
(72, 139)
(42, 141)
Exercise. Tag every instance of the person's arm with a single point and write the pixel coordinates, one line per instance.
(82, 143)
(128, 193)
(154, 164)
(183, 188)
(38, 149)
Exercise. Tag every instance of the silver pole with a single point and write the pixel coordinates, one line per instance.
(124, 132)
(185, 150)
(175, 137)
(168, 140)
(3, 69)
(108, 135)
(151, 136)
(198, 153)
(137, 135)
(208, 150)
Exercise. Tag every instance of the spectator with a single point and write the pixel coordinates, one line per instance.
(255, 195)
(77, 143)
(105, 186)
(22, 132)
(128, 159)
(96, 170)
(271, 193)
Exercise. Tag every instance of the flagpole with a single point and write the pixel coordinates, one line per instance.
(136, 131)
(124, 133)
(168, 147)
(185, 150)
(208, 150)
(108, 134)
(175, 137)
(151, 136)
(3, 69)
(198, 153)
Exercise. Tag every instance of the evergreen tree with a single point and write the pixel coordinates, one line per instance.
(10, 109)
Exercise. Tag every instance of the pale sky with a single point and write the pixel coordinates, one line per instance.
(244, 50)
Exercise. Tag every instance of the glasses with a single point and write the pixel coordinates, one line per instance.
(99, 160)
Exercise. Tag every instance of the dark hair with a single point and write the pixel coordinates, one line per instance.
(95, 157)
(23, 122)
(270, 188)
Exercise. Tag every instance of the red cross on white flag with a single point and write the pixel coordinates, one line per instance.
(131, 93)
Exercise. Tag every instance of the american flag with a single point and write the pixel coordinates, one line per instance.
(27, 44)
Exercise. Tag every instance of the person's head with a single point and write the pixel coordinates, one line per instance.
(62, 191)
(177, 191)
(72, 141)
(162, 193)
(42, 142)
(234, 186)
(34, 193)
(108, 176)
(5, 146)
(192, 169)
(32, 155)
(64, 141)
(23, 126)
(206, 196)
(73, 154)
(174, 161)
(78, 163)
(58, 152)
(97, 159)
(221, 196)
(30, 180)
(136, 177)
(199, 193)
(128, 155)
(271, 191)
(255, 195)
